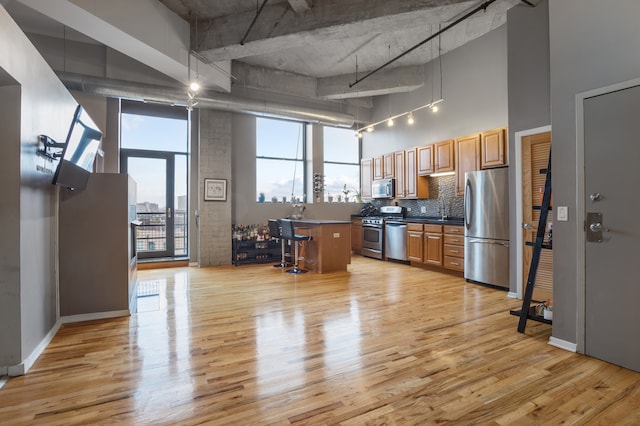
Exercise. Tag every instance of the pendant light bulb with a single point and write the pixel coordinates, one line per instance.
(434, 108)
(410, 119)
(370, 129)
(390, 122)
(194, 86)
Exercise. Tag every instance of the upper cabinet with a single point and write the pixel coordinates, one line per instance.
(416, 186)
(493, 148)
(467, 158)
(377, 168)
(366, 177)
(426, 165)
(443, 156)
(388, 165)
(400, 174)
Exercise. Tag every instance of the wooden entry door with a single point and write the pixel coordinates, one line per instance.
(535, 157)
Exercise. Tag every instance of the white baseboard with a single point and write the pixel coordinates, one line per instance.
(512, 295)
(563, 344)
(94, 316)
(193, 263)
(27, 363)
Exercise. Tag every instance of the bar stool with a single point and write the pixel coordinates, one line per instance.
(288, 233)
(275, 231)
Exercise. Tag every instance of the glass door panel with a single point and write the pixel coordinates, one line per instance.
(153, 206)
(181, 217)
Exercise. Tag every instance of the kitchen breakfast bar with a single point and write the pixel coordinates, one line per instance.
(329, 249)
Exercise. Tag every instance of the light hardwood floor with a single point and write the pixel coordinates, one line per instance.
(381, 344)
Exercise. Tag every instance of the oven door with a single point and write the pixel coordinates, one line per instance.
(372, 241)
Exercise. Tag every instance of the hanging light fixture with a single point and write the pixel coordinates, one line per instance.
(410, 119)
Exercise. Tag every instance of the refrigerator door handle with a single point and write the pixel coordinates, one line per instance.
(485, 241)
(467, 204)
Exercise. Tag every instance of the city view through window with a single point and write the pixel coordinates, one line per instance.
(154, 154)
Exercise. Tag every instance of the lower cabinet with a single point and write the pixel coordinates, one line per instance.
(356, 235)
(414, 242)
(436, 245)
(454, 247)
(433, 244)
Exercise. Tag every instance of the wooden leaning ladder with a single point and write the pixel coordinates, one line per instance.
(528, 311)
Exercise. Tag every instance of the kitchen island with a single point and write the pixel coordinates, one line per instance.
(329, 249)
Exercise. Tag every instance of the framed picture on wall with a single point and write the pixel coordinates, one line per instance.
(215, 190)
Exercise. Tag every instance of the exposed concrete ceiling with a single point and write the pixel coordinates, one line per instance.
(301, 48)
(323, 39)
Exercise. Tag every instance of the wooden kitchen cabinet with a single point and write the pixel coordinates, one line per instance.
(356, 235)
(416, 186)
(415, 242)
(493, 148)
(378, 168)
(366, 177)
(443, 156)
(433, 244)
(400, 174)
(388, 165)
(467, 158)
(453, 247)
(426, 165)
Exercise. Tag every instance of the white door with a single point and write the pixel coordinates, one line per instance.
(612, 203)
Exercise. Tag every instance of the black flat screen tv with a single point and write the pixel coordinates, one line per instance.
(79, 152)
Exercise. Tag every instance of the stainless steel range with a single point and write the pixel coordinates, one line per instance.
(373, 230)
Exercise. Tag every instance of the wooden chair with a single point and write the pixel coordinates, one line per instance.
(275, 232)
(288, 233)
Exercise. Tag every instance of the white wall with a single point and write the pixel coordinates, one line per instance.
(28, 282)
(474, 80)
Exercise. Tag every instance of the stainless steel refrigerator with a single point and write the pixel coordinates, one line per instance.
(486, 233)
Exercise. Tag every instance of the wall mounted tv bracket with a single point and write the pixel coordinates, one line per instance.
(49, 147)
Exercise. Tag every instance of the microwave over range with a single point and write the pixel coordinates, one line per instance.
(383, 188)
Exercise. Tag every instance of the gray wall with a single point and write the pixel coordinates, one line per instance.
(593, 44)
(529, 97)
(214, 162)
(28, 284)
(474, 80)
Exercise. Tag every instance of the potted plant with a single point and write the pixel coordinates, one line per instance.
(274, 199)
(261, 197)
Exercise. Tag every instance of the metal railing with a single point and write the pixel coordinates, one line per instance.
(151, 235)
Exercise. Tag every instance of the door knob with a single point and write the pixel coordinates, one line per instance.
(597, 227)
(595, 197)
(528, 226)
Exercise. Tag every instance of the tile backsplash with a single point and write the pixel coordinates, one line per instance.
(442, 200)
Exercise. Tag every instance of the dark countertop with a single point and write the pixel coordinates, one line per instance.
(459, 221)
(322, 221)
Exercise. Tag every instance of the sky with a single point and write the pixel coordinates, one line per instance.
(158, 134)
(278, 138)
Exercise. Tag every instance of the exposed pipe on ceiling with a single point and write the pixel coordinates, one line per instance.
(255, 18)
(483, 6)
(209, 100)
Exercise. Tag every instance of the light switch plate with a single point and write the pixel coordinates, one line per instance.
(563, 213)
(423, 209)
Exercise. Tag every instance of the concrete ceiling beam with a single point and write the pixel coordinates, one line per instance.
(273, 80)
(279, 28)
(144, 30)
(396, 80)
(299, 6)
